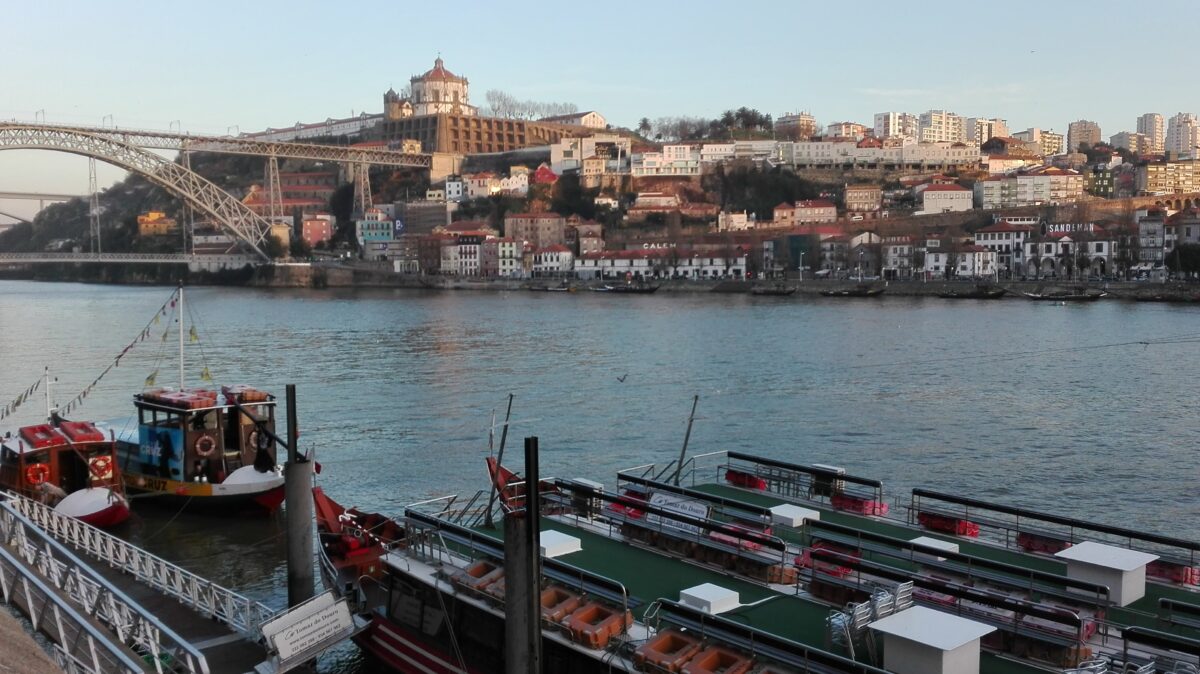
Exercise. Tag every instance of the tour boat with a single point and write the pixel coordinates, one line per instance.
(206, 450)
(71, 466)
(737, 563)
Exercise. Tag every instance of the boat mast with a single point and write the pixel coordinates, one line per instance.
(46, 375)
(180, 336)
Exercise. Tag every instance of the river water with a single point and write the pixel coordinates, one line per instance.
(1056, 408)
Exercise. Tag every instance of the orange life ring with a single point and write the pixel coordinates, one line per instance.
(37, 473)
(205, 446)
(101, 467)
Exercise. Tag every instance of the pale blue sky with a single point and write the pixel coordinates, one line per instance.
(214, 65)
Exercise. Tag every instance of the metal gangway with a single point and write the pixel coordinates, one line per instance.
(96, 616)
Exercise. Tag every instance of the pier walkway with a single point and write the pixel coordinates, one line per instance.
(108, 606)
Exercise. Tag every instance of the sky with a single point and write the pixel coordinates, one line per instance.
(221, 66)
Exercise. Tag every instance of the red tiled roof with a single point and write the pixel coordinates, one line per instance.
(974, 249)
(784, 205)
(556, 248)
(946, 188)
(543, 214)
(439, 72)
(1006, 226)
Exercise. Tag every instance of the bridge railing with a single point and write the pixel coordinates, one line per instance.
(99, 257)
(29, 548)
(240, 613)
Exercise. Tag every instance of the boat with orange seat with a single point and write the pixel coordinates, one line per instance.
(72, 468)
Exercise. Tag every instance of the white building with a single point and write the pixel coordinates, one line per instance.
(975, 261)
(622, 264)
(568, 154)
(349, 126)
(714, 153)
(1041, 185)
(1050, 142)
(938, 126)
(897, 125)
(673, 160)
(590, 119)
(898, 257)
(980, 129)
(826, 153)
(711, 265)
(1183, 135)
(1151, 126)
(553, 261)
(517, 184)
(1007, 240)
(454, 189)
(945, 199)
(734, 222)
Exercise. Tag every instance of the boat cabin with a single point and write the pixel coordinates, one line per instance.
(199, 435)
(46, 462)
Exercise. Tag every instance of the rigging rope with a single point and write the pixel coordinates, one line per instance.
(77, 401)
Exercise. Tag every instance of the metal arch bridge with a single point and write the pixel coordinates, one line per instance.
(193, 188)
(130, 149)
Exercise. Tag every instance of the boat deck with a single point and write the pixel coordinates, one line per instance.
(649, 575)
(1134, 614)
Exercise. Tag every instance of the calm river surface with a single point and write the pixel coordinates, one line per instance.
(1012, 401)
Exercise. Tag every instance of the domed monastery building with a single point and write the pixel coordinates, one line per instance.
(439, 114)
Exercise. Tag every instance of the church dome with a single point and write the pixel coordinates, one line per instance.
(439, 72)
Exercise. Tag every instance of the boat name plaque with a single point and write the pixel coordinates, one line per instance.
(679, 505)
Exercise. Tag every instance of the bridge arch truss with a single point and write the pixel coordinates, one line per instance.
(204, 196)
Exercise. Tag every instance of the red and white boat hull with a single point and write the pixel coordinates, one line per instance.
(98, 506)
(402, 652)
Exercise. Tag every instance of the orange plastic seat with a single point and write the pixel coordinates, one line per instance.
(668, 651)
(592, 625)
(558, 603)
(479, 575)
(718, 660)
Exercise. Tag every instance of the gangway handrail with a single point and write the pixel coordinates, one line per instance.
(1074, 523)
(129, 619)
(240, 613)
(94, 634)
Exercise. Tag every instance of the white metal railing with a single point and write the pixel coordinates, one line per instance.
(240, 613)
(52, 614)
(63, 579)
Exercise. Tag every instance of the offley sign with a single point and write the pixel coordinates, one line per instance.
(308, 629)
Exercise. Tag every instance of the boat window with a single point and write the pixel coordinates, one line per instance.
(204, 420)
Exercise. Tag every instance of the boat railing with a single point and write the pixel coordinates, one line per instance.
(435, 539)
(1055, 625)
(1032, 531)
(673, 528)
(820, 484)
(61, 577)
(791, 654)
(206, 598)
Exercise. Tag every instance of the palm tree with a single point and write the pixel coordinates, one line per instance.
(643, 126)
